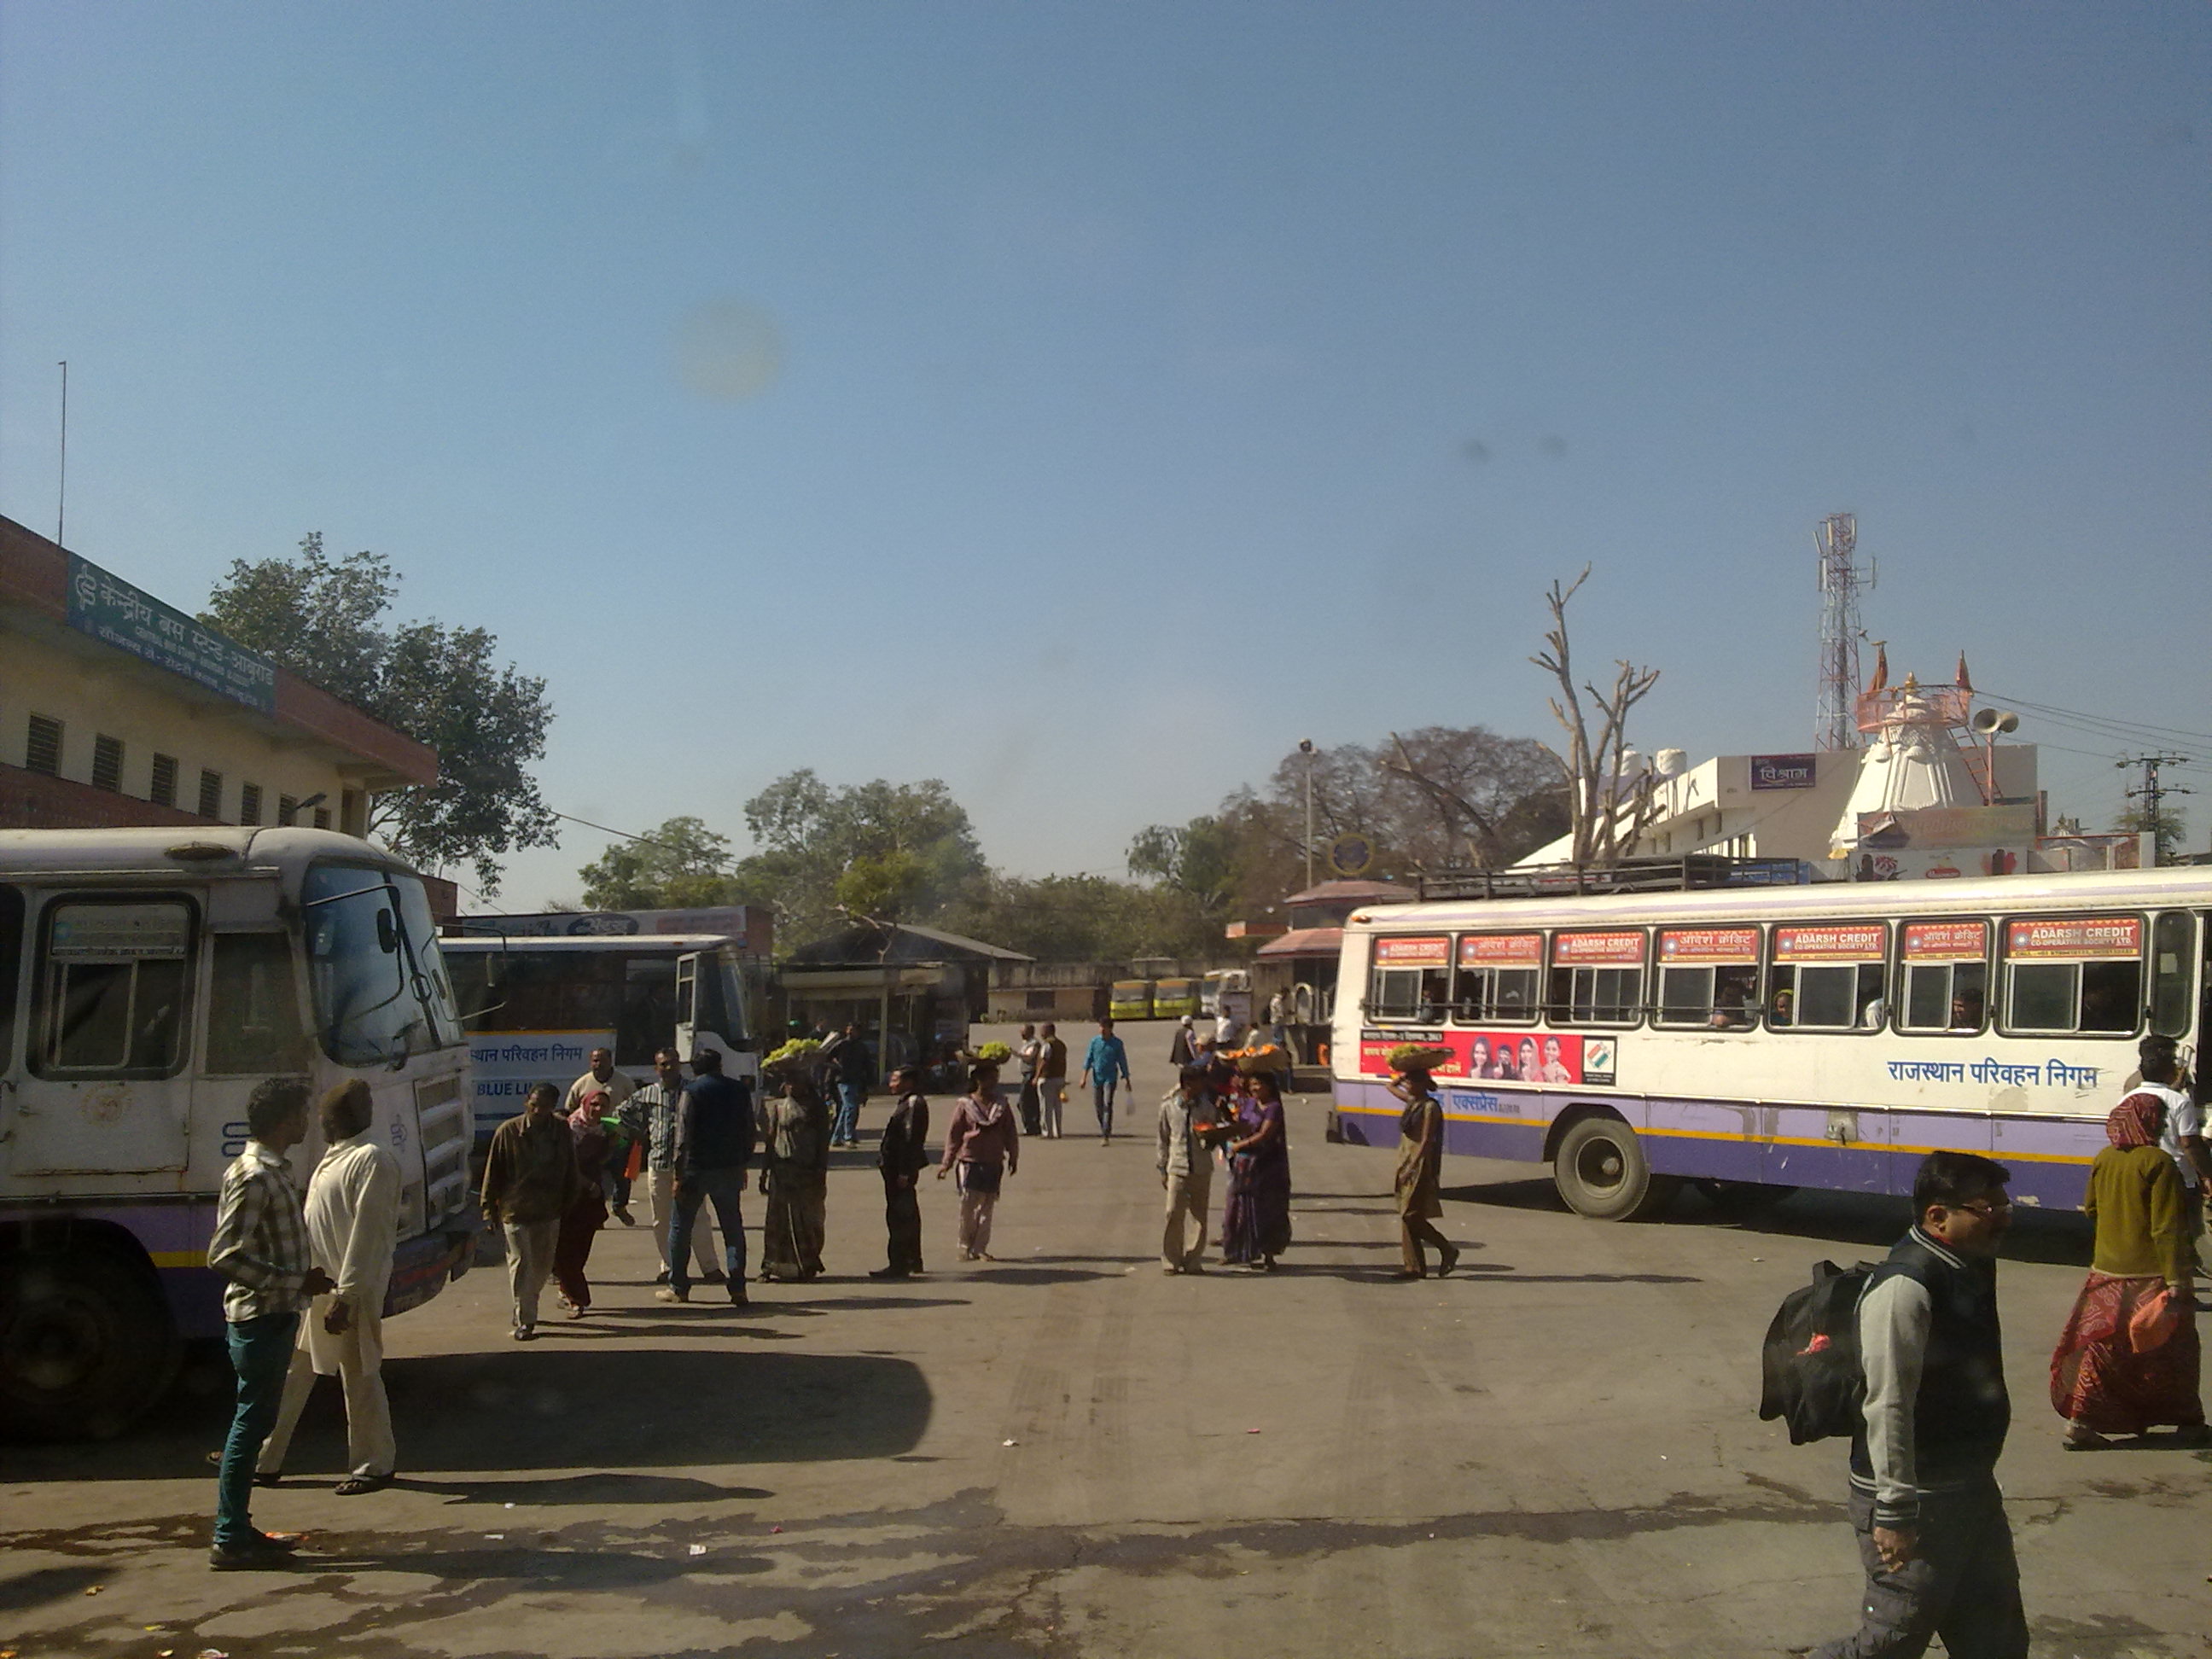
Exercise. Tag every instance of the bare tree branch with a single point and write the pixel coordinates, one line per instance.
(1606, 825)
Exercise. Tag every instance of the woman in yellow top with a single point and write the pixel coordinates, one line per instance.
(2099, 1383)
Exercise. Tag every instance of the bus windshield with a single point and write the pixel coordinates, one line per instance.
(380, 991)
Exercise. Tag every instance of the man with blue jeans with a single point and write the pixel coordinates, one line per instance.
(852, 1070)
(1105, 1067)
(260, 1245)
(714, 1139)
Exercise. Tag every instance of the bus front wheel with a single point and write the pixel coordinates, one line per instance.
(86, 1343)
(1600, 1170)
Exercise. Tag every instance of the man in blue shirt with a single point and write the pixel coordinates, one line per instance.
(1105, 1067)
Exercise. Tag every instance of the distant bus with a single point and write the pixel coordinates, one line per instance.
(1174, 998)
(1826, 1035)
(536, 1007)
(1129, 999)
(149, 981)
(1227, 990)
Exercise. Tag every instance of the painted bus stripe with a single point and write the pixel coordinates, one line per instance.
(179, 1258)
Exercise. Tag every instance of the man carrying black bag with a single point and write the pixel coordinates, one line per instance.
(1924, 1502)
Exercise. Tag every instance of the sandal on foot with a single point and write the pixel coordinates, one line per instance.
(357, 1485)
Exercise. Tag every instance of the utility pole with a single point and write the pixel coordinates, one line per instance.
(2152, 793)
(1306, 748)
(61, 501)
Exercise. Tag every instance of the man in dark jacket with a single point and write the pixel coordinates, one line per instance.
(714, 1139)
(902, 1159)
(1924, 1501)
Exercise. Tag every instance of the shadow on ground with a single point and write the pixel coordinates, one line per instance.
(546, 1408)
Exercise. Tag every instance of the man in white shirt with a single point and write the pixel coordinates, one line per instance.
(353, 1226)
(2183, 1140)
(603, 1078)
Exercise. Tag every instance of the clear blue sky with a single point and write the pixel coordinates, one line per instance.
(1082, 403)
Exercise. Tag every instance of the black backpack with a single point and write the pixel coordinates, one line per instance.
(1810, 1363)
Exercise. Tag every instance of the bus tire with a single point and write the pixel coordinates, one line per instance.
(1600, 1170)
(87, 1343)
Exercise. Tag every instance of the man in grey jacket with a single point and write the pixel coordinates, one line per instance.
(1924, 1502)
(1186, 1171)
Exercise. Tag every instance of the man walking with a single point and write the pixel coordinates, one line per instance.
(660, 1103)
(902, 1157)
(1186, 1171)
(353, 1226)
(529, 1180)
(603, 1078)
(2183, 1138)
(1052, 1079)
(851, 1070)
(1924, 1502)
(260, 1246)
(714, 1139)
(1105, 1067)
(1027, 1053)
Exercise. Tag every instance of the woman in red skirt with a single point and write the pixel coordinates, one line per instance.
(2113, 1374)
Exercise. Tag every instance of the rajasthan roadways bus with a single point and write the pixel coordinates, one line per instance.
(1752, 1037)
(535, 1008)
(149, 980)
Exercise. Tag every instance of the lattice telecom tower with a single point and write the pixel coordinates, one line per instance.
(1835, 722)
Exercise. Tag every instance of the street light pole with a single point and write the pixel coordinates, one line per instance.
(1306, 748)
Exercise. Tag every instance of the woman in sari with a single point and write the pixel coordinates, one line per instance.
(1420, 1166)
(2106, 1378)
(1255, 1224)
(981, 1147)
(795, 1177)
(581, 1222)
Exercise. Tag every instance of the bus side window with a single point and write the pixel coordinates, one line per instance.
(253, 1007)
(1720, 999)
(2170, 959)
(113, 990)
(11, 968)
(1595, 996)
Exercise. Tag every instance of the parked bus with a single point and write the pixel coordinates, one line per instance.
(1129, 999)
(1172, 998)
(1825, 1034)
(536, 1007)
(149, 980)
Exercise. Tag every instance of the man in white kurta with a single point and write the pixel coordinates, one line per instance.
(353, 1225)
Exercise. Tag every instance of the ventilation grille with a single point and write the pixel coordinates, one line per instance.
(42, 752)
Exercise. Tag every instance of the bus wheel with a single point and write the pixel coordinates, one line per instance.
(86, 1343)
(1600, 1170)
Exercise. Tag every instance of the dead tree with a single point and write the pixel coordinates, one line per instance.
(1608, 822)
(1482, 846)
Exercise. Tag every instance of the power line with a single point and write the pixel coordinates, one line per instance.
(2163, 733)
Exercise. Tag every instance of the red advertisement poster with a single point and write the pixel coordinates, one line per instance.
(1946, 941)
(1597, 950)
(1501, 951)
(1834, 941)
(2075, 938)
(1489, 1056)
(1725, 946)
(1413, 952)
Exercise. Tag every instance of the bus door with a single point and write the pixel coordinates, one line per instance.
(253, 1028)
(105, 1087)
(705, 1016)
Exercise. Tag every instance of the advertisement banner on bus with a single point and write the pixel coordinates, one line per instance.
(507, 1064)
(1946, 941)
(1610, 950)
(1424, 952)
(2074, 939)
(1721, 946)
(1501, 951)
(1832, 942)
(1496, 1056)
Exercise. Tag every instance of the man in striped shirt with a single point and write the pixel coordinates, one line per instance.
(260, 1245)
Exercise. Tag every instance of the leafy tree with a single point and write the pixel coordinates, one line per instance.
(325, 620)
(2169, 830)
(902, 852)
(681, 864)
(1084, 918)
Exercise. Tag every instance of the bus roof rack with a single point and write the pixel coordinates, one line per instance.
(1696, 869)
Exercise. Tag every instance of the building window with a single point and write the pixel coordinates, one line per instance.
(322, 817)
(107, 763)
(162, 791)
(211, 794)
(249, 803)
(287, 808)
(43, 751)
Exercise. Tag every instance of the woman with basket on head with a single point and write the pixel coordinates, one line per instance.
(2129, 1359)
(795, 1170)
(983, 1147)
(1255, 1222)
(1420, 1161)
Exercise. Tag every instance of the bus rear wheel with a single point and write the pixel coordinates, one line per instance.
(86, 1343)
(1600, 1170)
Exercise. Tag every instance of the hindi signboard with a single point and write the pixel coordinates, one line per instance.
(1783, 771)
(111, 610)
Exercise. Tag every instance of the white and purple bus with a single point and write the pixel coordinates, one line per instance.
(1759, 1037)
(149, 980)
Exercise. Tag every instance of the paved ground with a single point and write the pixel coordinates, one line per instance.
(1070, 1454)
